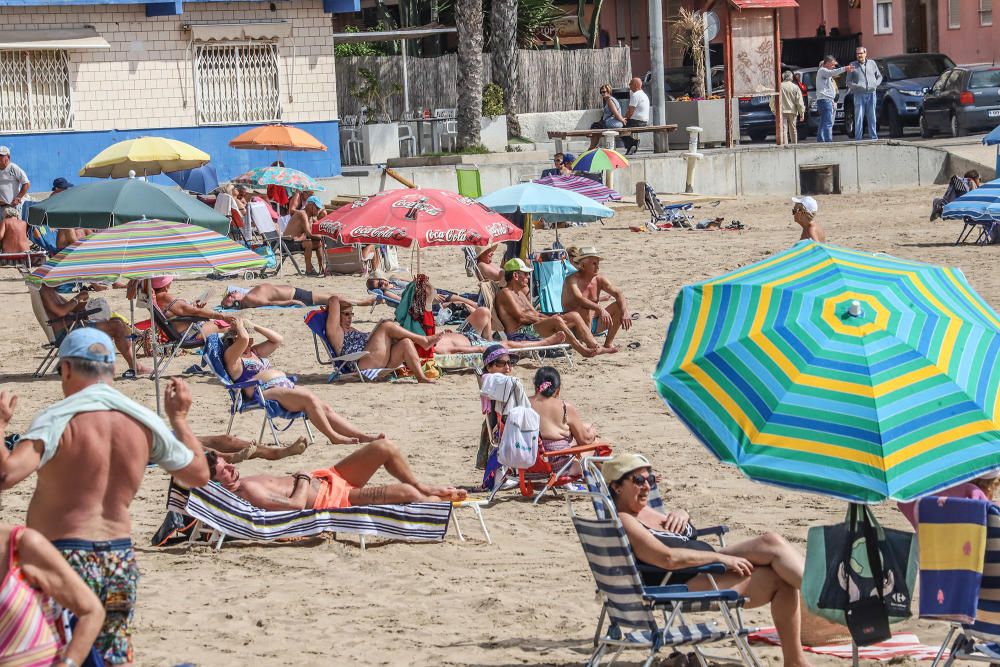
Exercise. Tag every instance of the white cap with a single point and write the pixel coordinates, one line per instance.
(808, 203)
(4, 150)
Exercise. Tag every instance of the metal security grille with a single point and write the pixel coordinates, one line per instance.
(237, 83)
(34, 91)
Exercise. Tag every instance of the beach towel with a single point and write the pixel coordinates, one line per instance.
(403, 315)
(506, 389)
(899, 646)
(167, 451)
(952, 538)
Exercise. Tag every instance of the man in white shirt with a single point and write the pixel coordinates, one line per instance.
(14, 182)
(637, 114)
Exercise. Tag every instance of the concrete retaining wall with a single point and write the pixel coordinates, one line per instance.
(764, 170)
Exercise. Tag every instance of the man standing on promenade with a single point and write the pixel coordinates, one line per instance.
(826, 96)
(14, 182)
(790, 105)
(90, 451)
(863, 80)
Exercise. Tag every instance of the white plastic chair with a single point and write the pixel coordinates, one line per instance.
(449, 135)
(407, 138)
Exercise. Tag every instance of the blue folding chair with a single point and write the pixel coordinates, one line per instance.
(44, 237)
(212, 357)
(675, 214)
(633, 608)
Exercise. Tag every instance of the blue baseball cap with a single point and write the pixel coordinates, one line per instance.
(61, 184)
(88, 343)
(569, 159)
(314, 200)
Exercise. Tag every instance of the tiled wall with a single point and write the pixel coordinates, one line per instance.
(145, 79)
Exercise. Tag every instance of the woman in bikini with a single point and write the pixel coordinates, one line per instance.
(246, 361)
(173, 307)
(560, 424)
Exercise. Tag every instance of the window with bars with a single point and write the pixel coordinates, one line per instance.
(883, 17)
(237, 83)
(954, 14)
(34, 91)
(985, 12)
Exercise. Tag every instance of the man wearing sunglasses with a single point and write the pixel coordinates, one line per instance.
(556, 169)
(804, 211)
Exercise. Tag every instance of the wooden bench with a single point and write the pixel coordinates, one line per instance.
(660, 130)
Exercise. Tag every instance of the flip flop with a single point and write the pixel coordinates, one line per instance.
(129, 375)
(635, 316)
(634, 345)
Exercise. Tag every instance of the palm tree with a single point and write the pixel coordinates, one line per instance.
(503, 49)
(469, 21)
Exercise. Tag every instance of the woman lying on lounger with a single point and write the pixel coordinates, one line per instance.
(766, 569)
(246, 361)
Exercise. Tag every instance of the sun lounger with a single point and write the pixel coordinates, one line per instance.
(222, 515)
(633, 608)
(22, 261)
(671, 215)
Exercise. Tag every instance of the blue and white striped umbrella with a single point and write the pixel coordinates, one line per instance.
(980, 205)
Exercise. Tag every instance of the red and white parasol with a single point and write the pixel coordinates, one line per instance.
(422, 217)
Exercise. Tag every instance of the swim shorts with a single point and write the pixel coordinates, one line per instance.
(110, 570)
(334, 492)
(527, 332)
(303, 295)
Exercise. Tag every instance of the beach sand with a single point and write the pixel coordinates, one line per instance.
(528, 598)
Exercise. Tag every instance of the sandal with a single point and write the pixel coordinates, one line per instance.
(634, 345)
(244, 454)
(129, 375)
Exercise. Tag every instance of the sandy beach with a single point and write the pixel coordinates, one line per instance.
(528, 599)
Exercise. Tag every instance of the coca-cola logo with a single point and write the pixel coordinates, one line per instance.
(380, 232)
(468, 201)
(463, 236)
(331, 227)
(497, 229)
(358, 203)
(418, 206)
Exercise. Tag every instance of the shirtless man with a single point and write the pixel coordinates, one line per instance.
(58, 309)
(268, 294)
(342, 485)
(484, 262)
(299, 230)
(13, 232)
(582, 294)
(804, 213)
(90, 453)
(522, 322)
(69, 236)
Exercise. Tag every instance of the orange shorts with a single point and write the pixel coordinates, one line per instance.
(334, 492)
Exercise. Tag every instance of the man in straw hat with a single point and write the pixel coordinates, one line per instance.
(582, 295)
(90, 452)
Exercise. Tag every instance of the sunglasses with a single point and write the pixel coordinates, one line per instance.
(503, 362)
(640, 480)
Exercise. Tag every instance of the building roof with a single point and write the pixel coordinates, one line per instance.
(763, 4)
(392, 35)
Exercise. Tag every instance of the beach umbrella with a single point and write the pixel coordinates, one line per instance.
(108, 203)
(979, 205)
(277, 137)
(993, 139)
(146, 249)
(581, 185)
(419, 217)
(600, 159)
(544, 200)
(200, 179)
(292, 179)
(838, 372)
(144, 156)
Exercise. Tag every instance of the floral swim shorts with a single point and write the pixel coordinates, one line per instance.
(111, 571)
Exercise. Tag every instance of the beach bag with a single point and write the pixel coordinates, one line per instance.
(267, 253)
(843, 564)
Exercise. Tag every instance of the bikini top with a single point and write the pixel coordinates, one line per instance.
(252, 366)
(27, 636)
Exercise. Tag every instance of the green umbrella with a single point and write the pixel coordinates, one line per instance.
(110, 203)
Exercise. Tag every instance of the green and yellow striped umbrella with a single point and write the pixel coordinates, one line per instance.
(844, 373)
(146, 249)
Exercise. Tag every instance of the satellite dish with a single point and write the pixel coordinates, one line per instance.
(711, 25)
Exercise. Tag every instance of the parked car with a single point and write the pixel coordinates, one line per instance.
(962, 99)
(808, 75)
(901, 96)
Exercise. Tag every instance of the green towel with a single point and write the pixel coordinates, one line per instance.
(403, 311)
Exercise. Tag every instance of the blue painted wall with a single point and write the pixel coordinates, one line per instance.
(46, 156)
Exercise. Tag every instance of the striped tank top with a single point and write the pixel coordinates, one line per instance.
(27, 637)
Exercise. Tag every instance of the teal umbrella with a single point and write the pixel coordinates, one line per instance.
(545, 200)
(111, 203)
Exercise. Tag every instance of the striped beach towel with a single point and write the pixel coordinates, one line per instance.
(901, 645)
(235, 517)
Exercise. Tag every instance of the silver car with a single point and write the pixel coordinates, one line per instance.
(963, 99)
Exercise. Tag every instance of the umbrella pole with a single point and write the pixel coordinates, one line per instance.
(152, 344)
(131, 305)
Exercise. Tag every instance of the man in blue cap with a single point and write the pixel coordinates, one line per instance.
(60, 184)
(90, 452)
(299, 233)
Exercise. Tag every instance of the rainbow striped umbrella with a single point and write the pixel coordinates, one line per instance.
(145, 249)
(600, 159)
(293, 179)
(839, 372)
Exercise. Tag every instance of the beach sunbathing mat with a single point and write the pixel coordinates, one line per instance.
(902, 644)
(237, 518)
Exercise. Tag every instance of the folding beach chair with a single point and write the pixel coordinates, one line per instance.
(673, 214)
(345, 260)
(51, 347)
(975, 639)
(633, 608)
(171, 342)
(266, 233)
(220, 514)
(211, 356)
(469, 183)
(541, 474)
(988, 231)
(44, 238)
(345, 366)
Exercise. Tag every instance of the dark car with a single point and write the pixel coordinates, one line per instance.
(962, 99)
(901, 96)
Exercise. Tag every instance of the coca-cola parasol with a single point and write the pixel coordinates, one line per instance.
(422, 217)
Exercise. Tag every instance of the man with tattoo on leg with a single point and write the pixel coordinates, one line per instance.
(341, 485)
